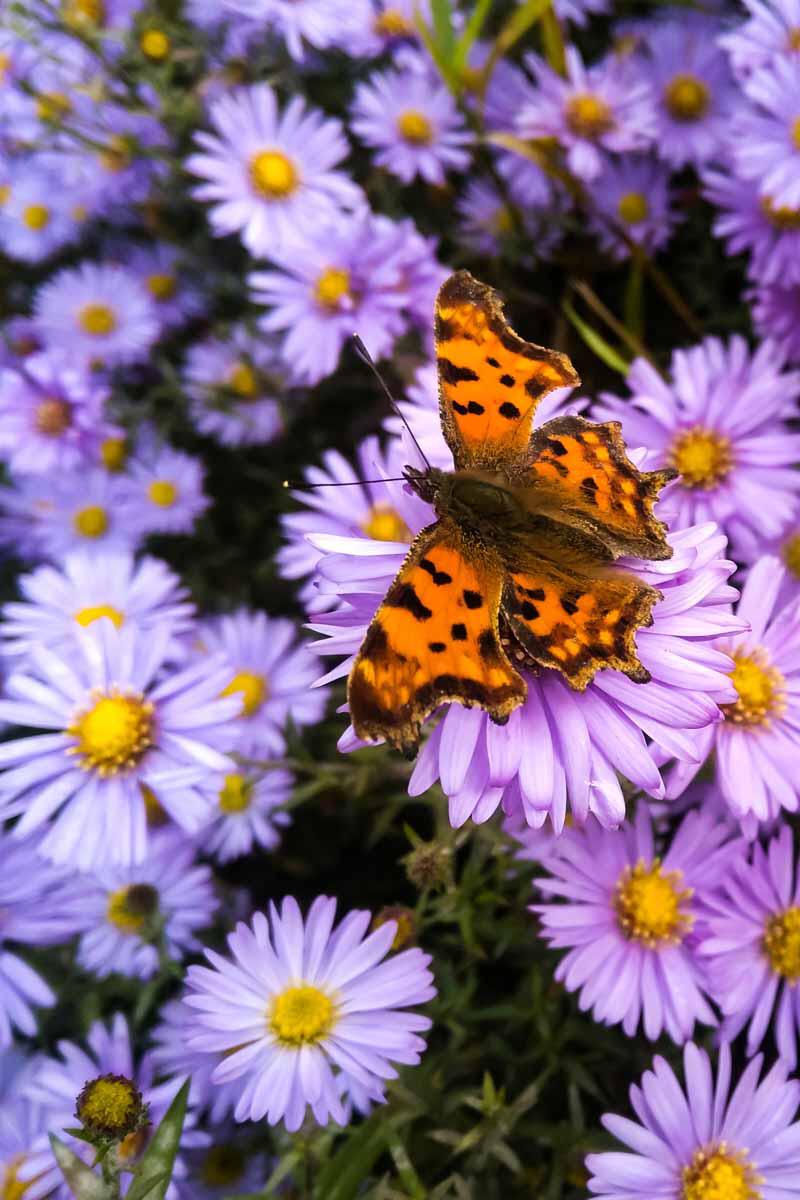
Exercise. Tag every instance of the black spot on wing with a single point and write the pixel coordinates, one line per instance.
(529, 611)
(472, 599)
(535, 389)
(507, 380)
(568, 606)
(487, 646)
(461, 409)
(492, 362)
(404, 596)
(458, 632)
(437, 647)
(450, 373)
(376, 642)
(556, 447)
(476, 408)
(509, 411)
(440, 578)
(445, 330)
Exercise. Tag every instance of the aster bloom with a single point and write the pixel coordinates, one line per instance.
(627, 917)
(268, 673)
(413, 123)
(775, 311)
(158, 267)
(765, 137)
(786, 547)
(36, 220)
(718, 421)
(87, 16)
(249, 813)
(21, 1121)
(228, 1165)
(40, 905)
(632, 194)
(97, 313)
(52, 415)
(175, 1061)
(757, 743)
(129, 910)
(268, 174)
(165, 489)
(332, 1005)
(608, 106)
(235, 383)
(770, 31)
(301, 23)
(697, 1143)
(117, 724)
(487, 222)
(85, 587)
(46, 516)
(752, 222)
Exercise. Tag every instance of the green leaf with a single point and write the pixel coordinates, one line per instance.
(596, 342)
(151, 1177)
(343, 1175)
(82, 1182)
(553, 42)
(472, 31)
(515, 27)
(443, 28)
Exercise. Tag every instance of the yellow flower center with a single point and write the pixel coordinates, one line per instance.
(11, 1186)
(110, 1105)
(791, 554)
(719, 1174)
(5, 63)
(633, 208)
(332, 285)
(129, 907)
(796, 133)
(113, 453)
(793, 40)
(97, 319)
(702, 456)
(87, 616)
(301, 1016)
(222, 1166)
(252, 688)
(273, 174)
(385, 525)
(588, 116)
(161, 287)
(414, 127)
(760, 689)
(84, 12)
(53, 106)
(162, 492)
(502, 222)
(392, 23)
(782, 944)
(91, 522)
(154, 43)
(236, 794)
(117, 153)
(5, 193)
(36, 216)
(52, 417)
(687, 98)
(648, 904)
(79, 213)
(113, 734)
(780, 215)
(242, 380)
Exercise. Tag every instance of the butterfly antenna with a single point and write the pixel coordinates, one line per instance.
(301, 483)
(365, 356)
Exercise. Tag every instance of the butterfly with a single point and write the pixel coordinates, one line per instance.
(518, 570)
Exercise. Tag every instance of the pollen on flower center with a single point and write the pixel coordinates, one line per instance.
(687, 98)
(11, 1186)
(588, 115)
(760, 689)
(702, 456)
(414, 127)
(162, 492)
(113, 453)
(242, 380)
(53, 106)
(633, 208)
(110, 1106)
(113, 734)
(782, 943)
(274, 175)
(332, 286)
(97, 319)
(236, 794)
(154, 43)
(36, 216)
(301, 1015)
(780, 215)
(87, 616)
(129, 907)
(222, 1166)
(791, 553)
(161, 286)
(84, 12)
(252, 688)
(392, 23)
(117, 154)
(384, 524)
(91, 521)
(719, 1174)
(648, 904)
(52, 416)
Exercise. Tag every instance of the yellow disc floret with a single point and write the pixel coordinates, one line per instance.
(780, 215)
(791, 554)
(702, 456)
(760, 689)
(687, 98)
(719, 1174)
(97, 319)
(242, 380)
(11, 1186)
(393, 23)
(128, 908)
(274, 175)
(332, 285)
(222, 1166)
(384, 524)
(414, 127)
(161, 286)
(162, 492)
(154, 43)
(236, 794)
(113, 734)
(796, 132)
(648, 904)
(94, 612)
(52, 416)
(588, 116)
(84, 12)
(91, 522)
(110, 1106)
(36, 216)
(53, 106)
(301, 1016)
(633, 208)
(782, 943)
(253, 690)
(113, 453)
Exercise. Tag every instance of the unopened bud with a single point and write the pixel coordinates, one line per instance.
(111, 1106)
(428, 864)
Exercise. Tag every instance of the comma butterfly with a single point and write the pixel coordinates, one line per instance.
(518, 570)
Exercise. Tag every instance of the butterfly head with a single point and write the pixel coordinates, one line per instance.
(474, 499)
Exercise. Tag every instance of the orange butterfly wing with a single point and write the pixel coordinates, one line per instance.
(434, 639)
(490, 380)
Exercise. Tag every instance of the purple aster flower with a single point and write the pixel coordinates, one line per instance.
(227, 1165)
(786, 547)
(19, 338)
(413, 124)
(330, 283)
(36, 220)
(84, 587)
(633, 194)
(389, 25)
(718, 420)
(40, 905)
(268, 673)
(765, 138)
(772, 30)
(165, 489)
(117, 723)
(249, 812)
(175, 1060)
(100, 20)
(270, 174)
(757, 744)
(21, 1120)
(775, 311)
(698, 1143)
(132, 911)
(608, 106)
(52, 415)
(487, 221)
(320, 24)
(332, 1006)
(96, 313)
(55, 1083)
(579, 11)
(627, 917)
(749, 221)
(174, 297)
(751, 948)
(129, 160)
(234, 384)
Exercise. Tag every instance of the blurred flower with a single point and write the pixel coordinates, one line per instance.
(46, 516)
(234, 383)
(331, 1006)
(160, 270)
(21, 1120)
(165, 489)
(697, 1143)
(775, 311)
(269, 174)
(489, 224)
(749, 221)
(118, 724)
(769, 32)
(632, 194)
(319, 23)
(228, 1165)
(249, 813)
(765, 137)
(628, 920)
(36, 220)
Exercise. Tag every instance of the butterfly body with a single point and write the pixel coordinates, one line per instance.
(519, 568)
